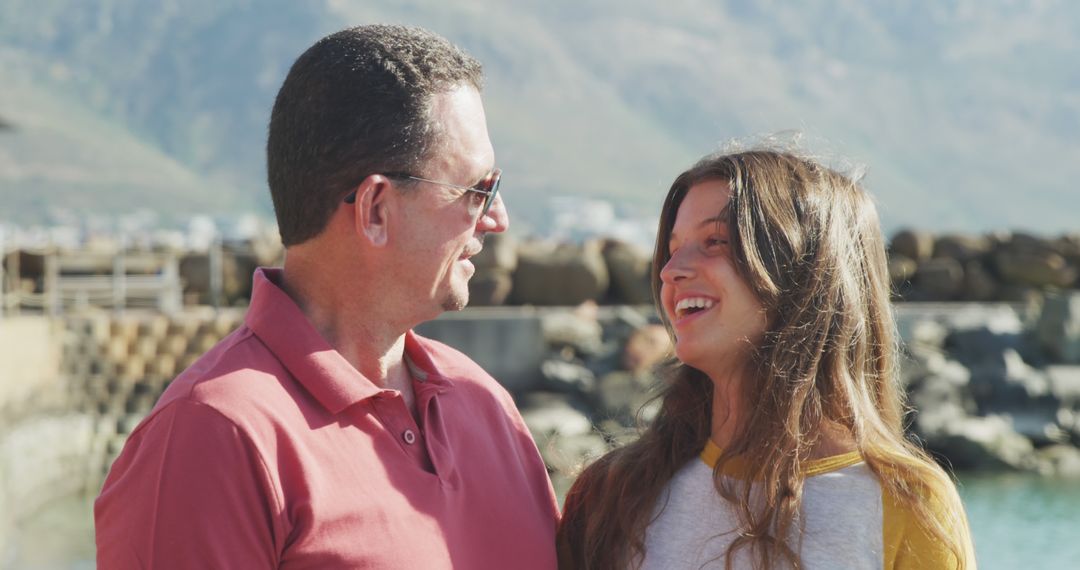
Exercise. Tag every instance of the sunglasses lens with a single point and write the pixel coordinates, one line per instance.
(491, 187)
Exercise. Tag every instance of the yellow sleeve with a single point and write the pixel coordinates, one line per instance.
(908, 546)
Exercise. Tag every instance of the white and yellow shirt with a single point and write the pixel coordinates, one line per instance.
(847, 522)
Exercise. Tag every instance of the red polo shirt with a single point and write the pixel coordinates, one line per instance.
(272, 451)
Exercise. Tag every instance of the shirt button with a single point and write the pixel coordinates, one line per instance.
(409, 437)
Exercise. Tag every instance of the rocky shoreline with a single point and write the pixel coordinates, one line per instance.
(992, 354)
(1002, 266)
(996, 390)
(1011, 267)
(988, 384)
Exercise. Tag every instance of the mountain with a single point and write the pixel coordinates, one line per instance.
(965, 113)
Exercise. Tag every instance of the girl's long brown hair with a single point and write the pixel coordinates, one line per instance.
(808, 242)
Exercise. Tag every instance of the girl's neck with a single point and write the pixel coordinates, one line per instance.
(727, 415)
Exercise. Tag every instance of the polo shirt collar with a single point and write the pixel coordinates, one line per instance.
(280, 324)
(422, 366)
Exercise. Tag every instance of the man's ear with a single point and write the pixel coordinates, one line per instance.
(373, 201)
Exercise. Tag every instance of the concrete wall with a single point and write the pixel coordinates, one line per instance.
(506, 341)
(42, 446)
(71, 390)
(29, 360)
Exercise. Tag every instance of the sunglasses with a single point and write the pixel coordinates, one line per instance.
(488, 186)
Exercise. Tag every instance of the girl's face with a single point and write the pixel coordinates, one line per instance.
(716, 316)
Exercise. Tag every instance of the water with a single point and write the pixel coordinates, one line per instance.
(60, 537)
(1019, 522)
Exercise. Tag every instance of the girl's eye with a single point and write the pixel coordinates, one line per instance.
(715, 241)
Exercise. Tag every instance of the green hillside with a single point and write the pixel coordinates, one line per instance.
(61, 156)
(967, 114)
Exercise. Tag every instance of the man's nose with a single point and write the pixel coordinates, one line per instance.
(496, 219)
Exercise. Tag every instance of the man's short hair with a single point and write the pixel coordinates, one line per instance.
(356, 103)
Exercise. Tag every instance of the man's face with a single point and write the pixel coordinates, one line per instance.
(443, 228)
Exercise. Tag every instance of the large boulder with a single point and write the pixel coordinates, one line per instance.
(1037, 269)
(564, 376)
(982, 443)
(1059, 461)
(499, 252)
(930, 421)
(563, 433)
(901, 270)
(495, 265)
(1069, 422)
(1065, 384)
(621, 322)
(1039, 424)
(914, 244)
(1058, 327)
(1023, 259)
(647, 347)
(979, 283)
(1000, 378)
(547, 414)
(629, 267)
(999, 318)
(559, 275)
(962, 248)
(490, 287)
(622, 395)
(980, 345)
(938, 388)
(923, 333)
(568, 455)
(577, 330)
(939, 279)
(1068, 246)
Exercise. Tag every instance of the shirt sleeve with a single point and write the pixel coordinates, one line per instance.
(188, 491)
(909, 547)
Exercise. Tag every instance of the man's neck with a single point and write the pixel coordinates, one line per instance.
(351, 324)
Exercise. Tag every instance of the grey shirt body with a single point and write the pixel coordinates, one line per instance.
(841, 520)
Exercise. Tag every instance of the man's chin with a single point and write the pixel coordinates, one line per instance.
(456, 301)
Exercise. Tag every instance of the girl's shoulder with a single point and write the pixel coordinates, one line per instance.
(909, 544)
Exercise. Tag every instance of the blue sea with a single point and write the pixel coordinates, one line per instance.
(1020, 522)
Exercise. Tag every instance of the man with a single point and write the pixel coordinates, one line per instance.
(324, 433)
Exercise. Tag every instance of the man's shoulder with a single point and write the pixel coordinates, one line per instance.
(239, 372)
